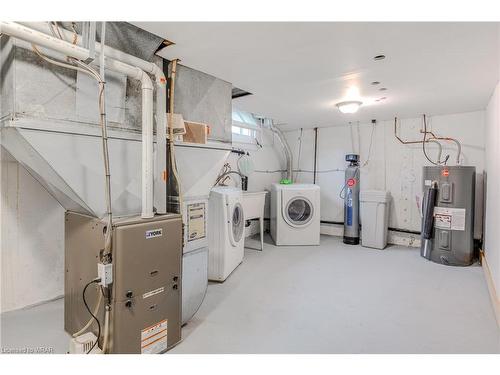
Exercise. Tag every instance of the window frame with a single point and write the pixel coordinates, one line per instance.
(244, 140)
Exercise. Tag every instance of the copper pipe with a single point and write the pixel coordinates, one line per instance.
(432, 138)
(399, 139)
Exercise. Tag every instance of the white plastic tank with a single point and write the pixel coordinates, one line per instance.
(374, 210)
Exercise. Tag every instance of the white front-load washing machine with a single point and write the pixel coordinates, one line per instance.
(295, 214)
(226, 232)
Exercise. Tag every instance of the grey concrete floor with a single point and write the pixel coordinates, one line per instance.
(331, 298)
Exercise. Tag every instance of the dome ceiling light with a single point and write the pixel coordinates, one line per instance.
(350, 106)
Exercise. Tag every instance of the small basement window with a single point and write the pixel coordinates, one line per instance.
(245, 128)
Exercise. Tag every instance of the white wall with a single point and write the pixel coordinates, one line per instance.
(392, 166)
(492, 217)
(32, 239)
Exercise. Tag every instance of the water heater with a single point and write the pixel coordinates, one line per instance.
(351, 200)
(448, 214)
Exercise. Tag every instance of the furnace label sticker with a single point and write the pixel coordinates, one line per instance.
(154, 233)
(196, 221)
(449, 218)
(153, 292)
(154, 338)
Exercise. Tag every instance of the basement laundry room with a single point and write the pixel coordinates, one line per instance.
(249, 187)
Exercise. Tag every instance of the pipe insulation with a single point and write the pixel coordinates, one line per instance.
(428, 211)
(39, 38)
(160, 187)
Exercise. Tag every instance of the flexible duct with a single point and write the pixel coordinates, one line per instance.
(39, 38)
(286, 147)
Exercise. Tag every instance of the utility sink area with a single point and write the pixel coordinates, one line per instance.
(253, 208)
(253, 204)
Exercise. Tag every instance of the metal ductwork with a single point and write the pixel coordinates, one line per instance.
(286, 147)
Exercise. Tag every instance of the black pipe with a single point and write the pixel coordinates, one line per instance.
(315, 153)
(404, 231)
(332, 222)
(390, 228)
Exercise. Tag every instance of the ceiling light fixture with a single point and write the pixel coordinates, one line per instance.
(350, 106)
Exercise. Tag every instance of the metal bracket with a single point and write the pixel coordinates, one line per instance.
(88, 39)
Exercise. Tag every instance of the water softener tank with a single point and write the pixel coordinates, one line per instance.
(351, 200)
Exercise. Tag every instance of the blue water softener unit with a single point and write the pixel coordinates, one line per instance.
(351, 200)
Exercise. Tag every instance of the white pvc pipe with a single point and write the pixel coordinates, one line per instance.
(39, 38)
(160, 194)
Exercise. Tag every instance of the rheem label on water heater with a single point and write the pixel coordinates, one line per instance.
(449, 218)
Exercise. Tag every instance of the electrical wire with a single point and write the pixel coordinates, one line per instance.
(371, 143)
(91, 313)
(56, 62)
(299, 153)
(173, 163)
(225, 173)
(84, 68)
(342, 191)
(96, 311)
(80, 66)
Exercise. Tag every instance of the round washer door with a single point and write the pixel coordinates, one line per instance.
(298, 212)
(237, 224)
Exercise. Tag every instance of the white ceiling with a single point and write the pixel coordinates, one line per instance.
(298, 71)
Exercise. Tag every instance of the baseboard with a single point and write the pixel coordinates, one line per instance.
(495, 301)
(331, 230)
(60, 296)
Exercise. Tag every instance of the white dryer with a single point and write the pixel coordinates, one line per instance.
(295, 214)
(226, 232)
